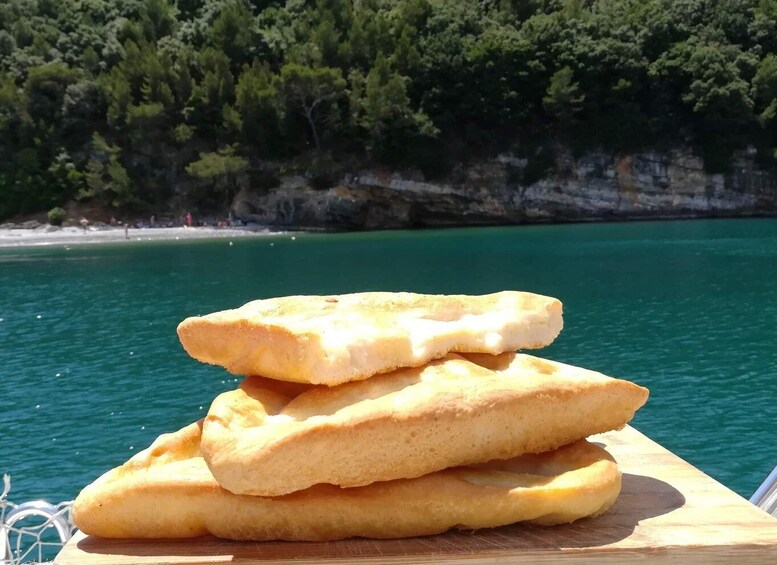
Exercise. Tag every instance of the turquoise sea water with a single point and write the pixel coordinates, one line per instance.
(91, 370)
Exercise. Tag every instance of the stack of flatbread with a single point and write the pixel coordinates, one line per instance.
(381, 415)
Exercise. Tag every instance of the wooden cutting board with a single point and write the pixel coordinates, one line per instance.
(668, 512)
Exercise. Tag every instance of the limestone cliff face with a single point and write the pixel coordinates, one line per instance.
(593, 187)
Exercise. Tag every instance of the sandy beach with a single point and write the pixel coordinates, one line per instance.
(47, 235)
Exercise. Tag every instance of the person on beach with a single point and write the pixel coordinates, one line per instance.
(126, 230)
(84, 223)
(188, 219)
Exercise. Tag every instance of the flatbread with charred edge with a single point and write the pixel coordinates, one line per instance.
(268, 438)
(334, 339)
(167, 491)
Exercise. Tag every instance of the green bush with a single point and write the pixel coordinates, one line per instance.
(57, 216)
(323, 173)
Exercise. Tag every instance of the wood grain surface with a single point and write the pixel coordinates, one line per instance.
(668, 512)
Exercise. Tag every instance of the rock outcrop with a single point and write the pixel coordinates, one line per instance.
(593, 187)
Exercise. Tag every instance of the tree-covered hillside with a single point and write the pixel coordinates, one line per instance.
(123, 102)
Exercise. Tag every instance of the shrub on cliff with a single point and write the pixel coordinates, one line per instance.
(57, 216)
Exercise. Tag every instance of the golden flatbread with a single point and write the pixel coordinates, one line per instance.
(167, 491)
(334, 339)
(268, 438)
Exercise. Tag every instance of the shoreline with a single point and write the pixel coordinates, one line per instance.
(47, 236)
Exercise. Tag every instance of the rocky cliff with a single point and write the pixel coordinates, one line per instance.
(592, 187)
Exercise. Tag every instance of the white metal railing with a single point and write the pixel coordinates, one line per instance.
(766, 495)
(32, 531)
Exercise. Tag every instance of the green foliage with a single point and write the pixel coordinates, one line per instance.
(64, 178)
(45, 91)
(710, 77)
(222, 163)
(309, 89)
(221, 170)
(764, 90)
(83, 108)
(115, 101)
(7, 44)
(563, 99)
(216, 89)
(57, 216)
(322, 172)
(257, 100)
(106, 180)
(232, 32)
(388, 115)
(182, 133)
(157, 18)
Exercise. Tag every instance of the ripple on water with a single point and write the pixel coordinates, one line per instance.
(686, 308)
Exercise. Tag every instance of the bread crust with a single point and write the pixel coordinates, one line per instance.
(335, 339)
(167, 491)
(261, 440)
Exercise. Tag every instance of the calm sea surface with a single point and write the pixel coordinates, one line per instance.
(91, 370)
